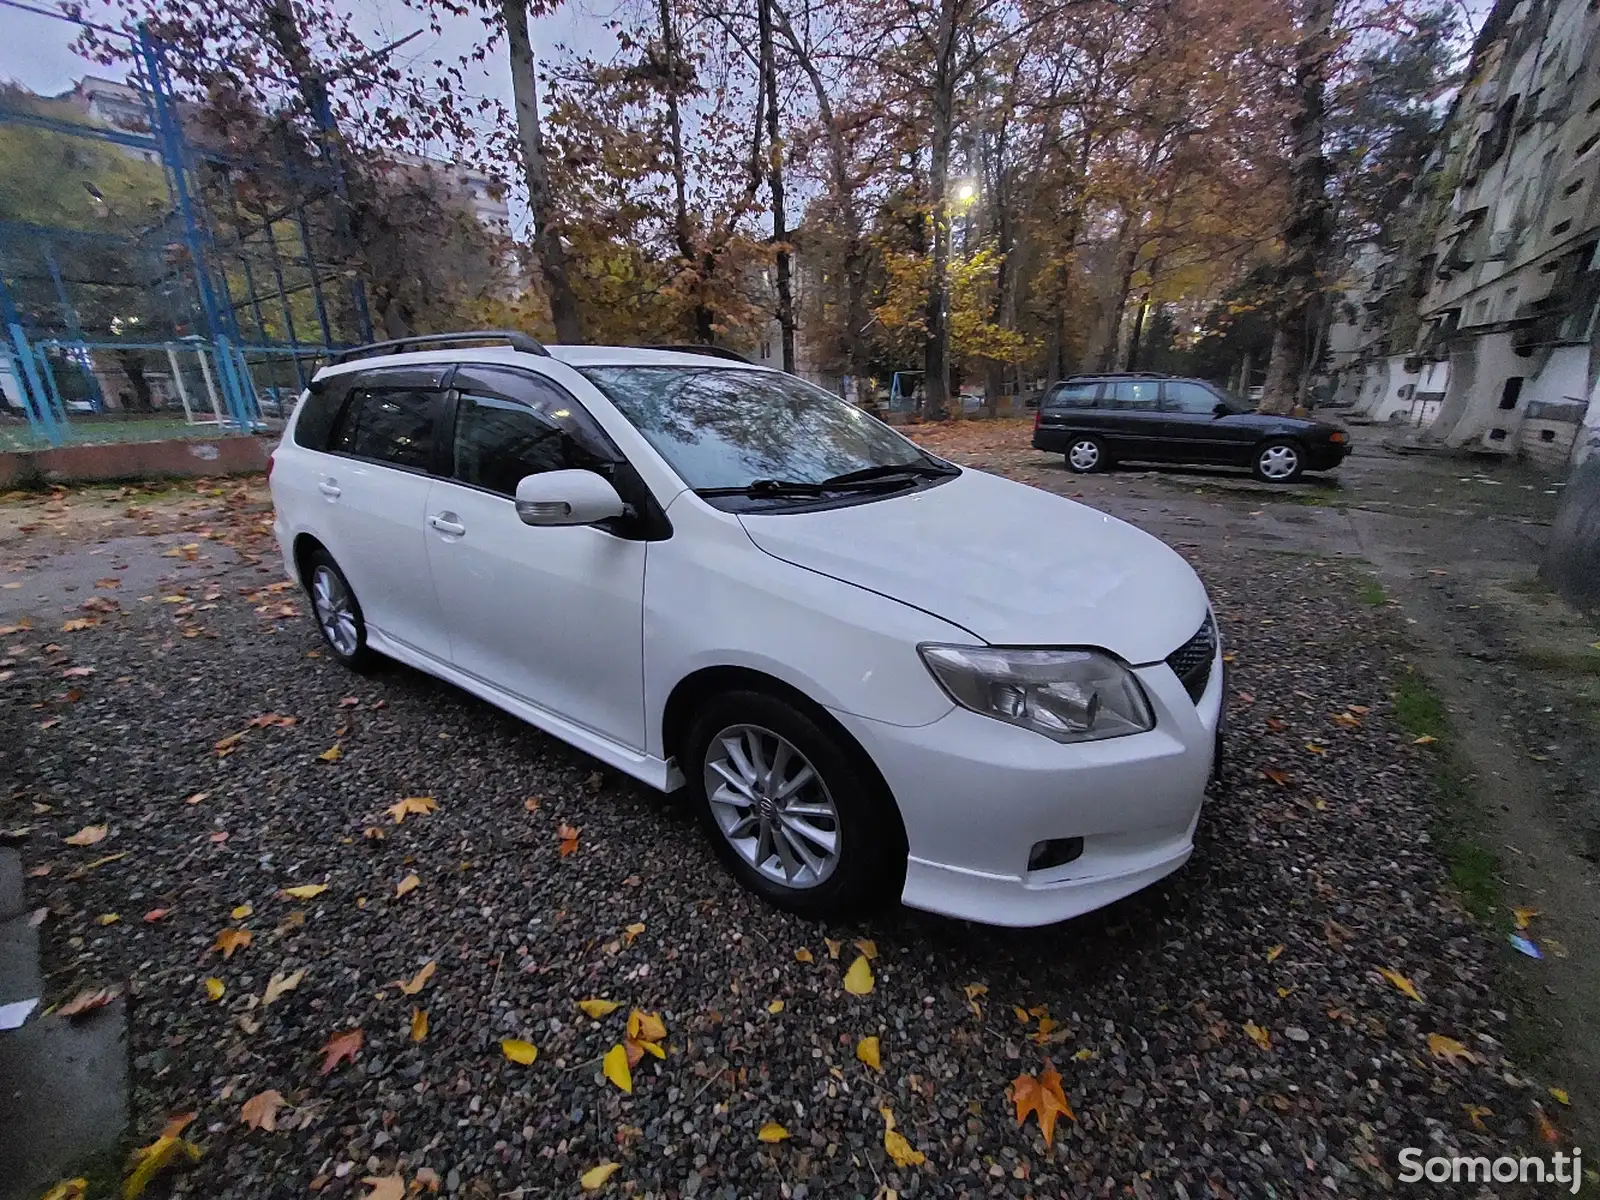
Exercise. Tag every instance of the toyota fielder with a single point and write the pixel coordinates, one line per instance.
(874, 671)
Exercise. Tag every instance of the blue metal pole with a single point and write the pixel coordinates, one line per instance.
(70, 315)
(34, 400)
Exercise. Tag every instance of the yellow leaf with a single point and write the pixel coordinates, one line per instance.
(1258, 1035)
(1524, 915)
(419, 1024)
(632, 931)
(306, 891)
(408, 884)
(1560, 1095)
(833, 947)
(230, 940)
(1426, 739)
(867, 1052)
(107, 919)
(332, 754)
(1475, 1114)
(900, 1151)
(595, 1178)
(1272, 955)
(775, 1007)
(68, 1189)
(87, 836)
(1083, 1055)
(1401, 982)
(973, 992)
(1448, 1049)
(149, 1161)
(649, 1047)
(279, 984)
(241, 911)
(867, 946)
(1022, 1013)
(599, 1008)
(1316, 749)
(615, 1067)
(802, 955)
(518, 1051)
(858, 979)
(772, 1132)
(418, 981)
(421, 805)
(646, 1026)
(215, 988)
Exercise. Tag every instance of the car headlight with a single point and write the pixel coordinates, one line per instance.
(1067, 695)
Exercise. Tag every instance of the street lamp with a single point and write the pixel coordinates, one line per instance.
(966, 191)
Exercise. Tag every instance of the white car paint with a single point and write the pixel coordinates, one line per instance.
(586, 635)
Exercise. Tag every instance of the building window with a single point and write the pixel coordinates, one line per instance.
(1511, 392)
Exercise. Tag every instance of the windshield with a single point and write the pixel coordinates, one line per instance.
(725, 428)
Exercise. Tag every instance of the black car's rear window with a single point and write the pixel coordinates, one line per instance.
(1072, 395)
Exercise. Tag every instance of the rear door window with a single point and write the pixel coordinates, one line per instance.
(393, 426)
(1072, 395)
(1136, 395)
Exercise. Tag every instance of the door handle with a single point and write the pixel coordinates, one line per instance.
(329, 488)
(445, 523)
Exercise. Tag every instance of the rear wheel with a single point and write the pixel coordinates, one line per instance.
(1086, 455)
(788, 806)
(1278, 462)
(337, 610)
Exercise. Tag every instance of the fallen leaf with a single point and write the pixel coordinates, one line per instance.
(1258, 1035)
(1560, 1095)
(775, 1007)
(230, 940)
(595, 1178)
(1277, 776)
(1347, 720)
(772, 1133)
(973, 992)
(420, 805)
(149, 1161)
(426, 1177)
(1524, 915)
(332, 754)
(156, 914)
(1041, 1095)
(1448, 1049)
(225, 746)
(196, 798)
(341, 1047)
(1401, 982)
(867, 946)
(306, 891)
(67, 1189)
(867, 1052)
(615, 1068)
(78, 673)
(1547, 1129)
(531, 804)
(1426, 739)
(419, 1024)
(630, 932)
(279, 984)
(88, 835)
(240, 912)
(1475, 1113)
(385, 1187)
(1316, 749)
(78, 624)
(900, 1151)
(569, 838)
(599, 1008)
(1083, 1055)
(647, 1027)
(214, 988)
(261, 1110)
(833, 947)
(408, 884)
(802, 955)
(87, 1001)
(420, 980)
(107, 919)
(1272, 955)
(518, 1051)
(858, 979)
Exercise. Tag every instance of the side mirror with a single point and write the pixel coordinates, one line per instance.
(1220, 410)
(567, 498)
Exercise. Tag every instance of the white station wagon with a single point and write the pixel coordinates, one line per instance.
(873, 670)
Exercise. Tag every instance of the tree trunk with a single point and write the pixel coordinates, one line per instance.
(1308, 233)
(701, 321)
(1128, 258)
(780, 233)
(1137, 335)
(936, 349)
(132, 364)
(536, 174)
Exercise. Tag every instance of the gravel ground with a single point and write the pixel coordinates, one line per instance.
(1313, 870)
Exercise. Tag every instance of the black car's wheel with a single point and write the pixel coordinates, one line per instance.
(1086, 455)
(1278, 461)
(337, 610)
(789, 807)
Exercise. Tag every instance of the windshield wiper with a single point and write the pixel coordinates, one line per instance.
(765, 487)
(889, 471)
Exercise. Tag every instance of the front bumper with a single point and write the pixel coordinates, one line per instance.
(977, 794)
(1326, 457)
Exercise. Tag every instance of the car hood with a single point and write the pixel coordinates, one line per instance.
(1011, 564)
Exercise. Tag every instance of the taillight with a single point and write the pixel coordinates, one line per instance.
(1038, 416)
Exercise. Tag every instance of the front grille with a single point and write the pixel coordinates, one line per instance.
(1191, 662)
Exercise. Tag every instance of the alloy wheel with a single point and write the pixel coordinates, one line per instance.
(1279, 462)
(1084, 455)
(335, 611)
(772, 806)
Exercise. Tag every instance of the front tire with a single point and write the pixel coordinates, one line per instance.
(1279, 461)
(1087, 455)
(790, 807)
(338, 612)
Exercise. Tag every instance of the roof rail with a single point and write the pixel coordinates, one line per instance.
(709, 352)
(517, 341)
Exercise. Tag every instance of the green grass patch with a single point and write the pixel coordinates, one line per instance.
(1372, 593)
